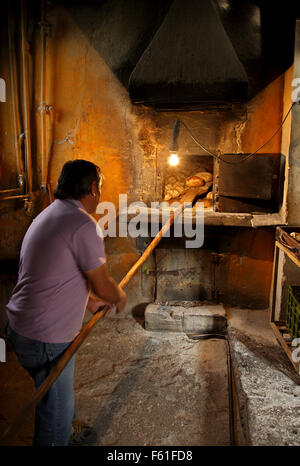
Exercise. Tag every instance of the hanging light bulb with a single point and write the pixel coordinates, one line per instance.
(173, 159)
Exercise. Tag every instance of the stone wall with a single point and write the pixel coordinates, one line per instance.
(92, 117)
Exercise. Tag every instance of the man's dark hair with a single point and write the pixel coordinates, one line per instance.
(76, 178)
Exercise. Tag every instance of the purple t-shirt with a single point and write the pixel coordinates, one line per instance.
(49, 300)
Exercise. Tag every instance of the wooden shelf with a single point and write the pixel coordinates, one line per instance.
(290, 254)
(279, 327)
(285, 340)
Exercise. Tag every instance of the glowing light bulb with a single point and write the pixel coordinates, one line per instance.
(173, 159)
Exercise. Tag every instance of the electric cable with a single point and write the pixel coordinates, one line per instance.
(247, 156)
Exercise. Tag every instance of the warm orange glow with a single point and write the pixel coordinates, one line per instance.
(173, 159)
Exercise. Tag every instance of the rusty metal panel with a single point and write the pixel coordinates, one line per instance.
(243, 205)
(250, 179)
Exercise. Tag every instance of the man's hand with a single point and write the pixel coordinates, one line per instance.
(120, 305)
(94, 303)
(106, 288)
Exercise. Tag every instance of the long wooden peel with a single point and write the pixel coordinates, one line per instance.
(12, 430)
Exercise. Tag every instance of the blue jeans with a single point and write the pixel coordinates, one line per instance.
(56, 410)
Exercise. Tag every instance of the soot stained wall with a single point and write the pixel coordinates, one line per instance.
(92, 117)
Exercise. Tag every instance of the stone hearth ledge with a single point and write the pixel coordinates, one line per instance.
(174, 318)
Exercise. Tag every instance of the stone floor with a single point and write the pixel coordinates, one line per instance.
(268, 385)
(138, 387)
(152, 388)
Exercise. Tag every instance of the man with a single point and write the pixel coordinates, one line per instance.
(62, 257)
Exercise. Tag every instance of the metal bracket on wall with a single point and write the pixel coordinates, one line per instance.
(44, 108)
(28, 206)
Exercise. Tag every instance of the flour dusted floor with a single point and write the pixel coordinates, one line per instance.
(152, 388)
(160, 388)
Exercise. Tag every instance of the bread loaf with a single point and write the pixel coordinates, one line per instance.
(172, 191)
(194, 181)
(199, 179)
(207, 203)
(295, 235)
(206, 176)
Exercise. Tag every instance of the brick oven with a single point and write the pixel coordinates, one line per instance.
(122, 118)
(124, 84)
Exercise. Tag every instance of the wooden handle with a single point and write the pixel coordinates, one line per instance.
(70, 351)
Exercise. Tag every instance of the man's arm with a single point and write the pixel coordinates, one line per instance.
(106, 288)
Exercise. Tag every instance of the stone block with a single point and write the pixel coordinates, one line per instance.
(197, 319)
(164, 318)
(204, 319)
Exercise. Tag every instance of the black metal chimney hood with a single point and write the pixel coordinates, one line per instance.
(190, 62)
